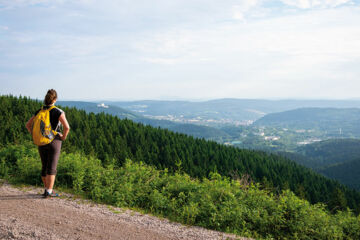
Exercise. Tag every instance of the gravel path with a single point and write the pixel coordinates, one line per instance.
(25, 215)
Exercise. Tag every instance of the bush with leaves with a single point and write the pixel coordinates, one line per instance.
(216, 202)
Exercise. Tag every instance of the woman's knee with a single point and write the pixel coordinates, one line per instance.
(51, 171)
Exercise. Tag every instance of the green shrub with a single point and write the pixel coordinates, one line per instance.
(4, 169)
(29, 169)
(216, 202)
(21, 163)
(350, 225)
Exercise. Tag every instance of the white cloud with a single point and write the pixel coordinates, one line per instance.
(167, 61)
(176, 60)
(306, 4)
(300, 35)
(11, 4)
(202, 48)
(240, 10)
(173, 47)
(303, 50)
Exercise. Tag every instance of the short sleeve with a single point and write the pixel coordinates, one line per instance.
(57, 113)
(54, 117)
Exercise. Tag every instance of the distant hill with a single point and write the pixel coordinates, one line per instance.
(225, 109)
(98, 108)
(189, 129)
(336, 122)
(347, 173)
(329, 152)
(199, 131)
(298, 158)
(338, 159)
(234, 109)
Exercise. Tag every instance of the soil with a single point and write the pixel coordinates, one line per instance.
(24, 214)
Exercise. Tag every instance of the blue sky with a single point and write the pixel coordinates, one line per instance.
(180, 49)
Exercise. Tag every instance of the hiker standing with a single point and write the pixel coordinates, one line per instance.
(44, 126)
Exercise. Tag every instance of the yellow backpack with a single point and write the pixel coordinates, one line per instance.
(42, 133)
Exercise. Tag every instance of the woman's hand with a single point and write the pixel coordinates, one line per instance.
(61, 136)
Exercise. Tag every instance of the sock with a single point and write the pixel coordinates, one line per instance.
(49, 191)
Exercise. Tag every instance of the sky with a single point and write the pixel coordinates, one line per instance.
(180, 49)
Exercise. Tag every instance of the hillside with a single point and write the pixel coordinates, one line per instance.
(114, 140)
(347, 173)
(199, 131)
(218, 203)
(330, 152)
(225, 111)
(216, 110)
(98, 108)
(189, 129)
(335, 158)
(336, 122)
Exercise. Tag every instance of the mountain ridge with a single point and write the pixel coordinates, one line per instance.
(190, 129)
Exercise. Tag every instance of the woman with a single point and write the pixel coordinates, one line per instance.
(50, 153)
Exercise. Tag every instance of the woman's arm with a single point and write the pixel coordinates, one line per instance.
(29, 124)
(66, 126)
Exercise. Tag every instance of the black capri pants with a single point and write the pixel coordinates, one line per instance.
(49, 155)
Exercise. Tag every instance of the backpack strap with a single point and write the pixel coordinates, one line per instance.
(49, 109)
(52, 107)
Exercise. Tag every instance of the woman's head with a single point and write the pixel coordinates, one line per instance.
(50, 97)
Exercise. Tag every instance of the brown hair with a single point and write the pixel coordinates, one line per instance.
(50, 97)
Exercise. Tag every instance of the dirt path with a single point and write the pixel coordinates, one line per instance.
(25, 215)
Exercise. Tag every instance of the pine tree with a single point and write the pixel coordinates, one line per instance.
(338, 200)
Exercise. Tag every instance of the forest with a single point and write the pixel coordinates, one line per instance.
(113, 140)
(347, 173)
(330, 152)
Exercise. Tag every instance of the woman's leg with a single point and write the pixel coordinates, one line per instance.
(54, 154)
(44, 155)
(50, 180)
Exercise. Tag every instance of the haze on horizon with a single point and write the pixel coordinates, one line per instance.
(180, 50)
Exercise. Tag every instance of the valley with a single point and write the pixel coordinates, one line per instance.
(267, 125)
(289, 133)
